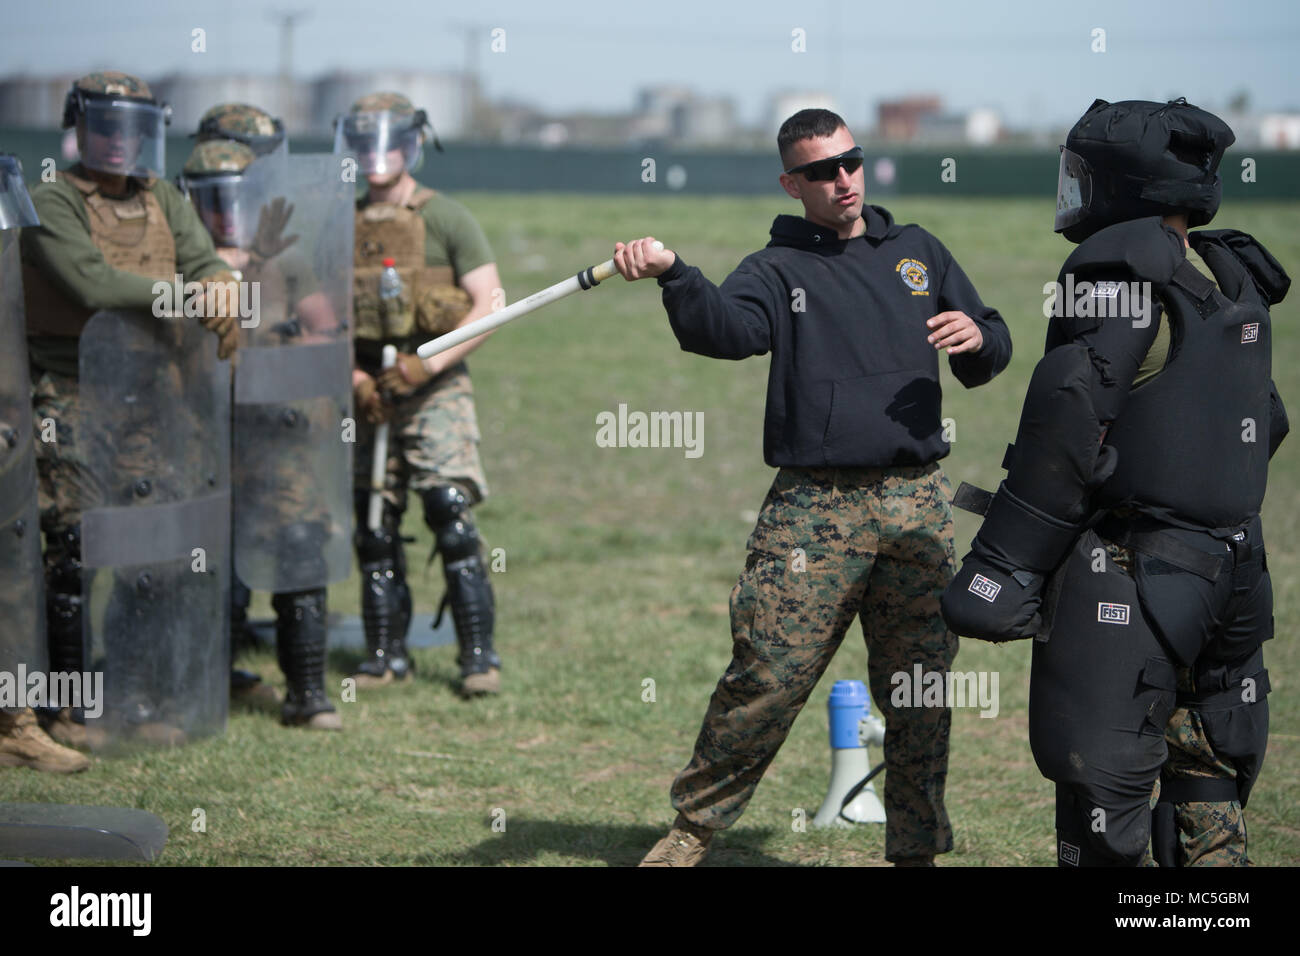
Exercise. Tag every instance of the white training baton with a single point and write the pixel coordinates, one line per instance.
(379, 465)
(586, 279)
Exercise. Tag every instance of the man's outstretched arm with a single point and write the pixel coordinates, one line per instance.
(731, 322)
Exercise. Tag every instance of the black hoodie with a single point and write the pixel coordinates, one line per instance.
(853, 380)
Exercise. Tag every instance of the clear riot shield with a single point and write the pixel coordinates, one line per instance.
(155, 526)
(292, 467)
(22, 579)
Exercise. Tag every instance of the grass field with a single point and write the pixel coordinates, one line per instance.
(619, 563)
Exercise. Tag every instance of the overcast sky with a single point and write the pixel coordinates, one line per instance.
(1030, 59)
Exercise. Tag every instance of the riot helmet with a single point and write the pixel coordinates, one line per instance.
(1137, 158)
(386, 132)
(120, 127)
(226, 194)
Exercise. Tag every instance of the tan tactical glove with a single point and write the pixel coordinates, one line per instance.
(221, 312)
(368, 401)
(407, 374)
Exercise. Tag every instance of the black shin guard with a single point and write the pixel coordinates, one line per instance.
(300, 646)
(469, 593)
(63, 601)
(385, 596)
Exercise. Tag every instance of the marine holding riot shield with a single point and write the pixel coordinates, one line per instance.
(22, 609)
(1126, 538)
(128, 408)
(289, 239)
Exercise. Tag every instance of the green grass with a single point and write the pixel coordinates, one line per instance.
(619, 565)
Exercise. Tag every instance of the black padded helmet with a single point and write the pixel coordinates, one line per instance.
(1136, 158)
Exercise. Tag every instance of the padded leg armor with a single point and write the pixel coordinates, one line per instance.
(1101, 691)
(1218, 738)
(385, 597)
(241, 632)
(63, 626)
(469, 593)
(63, 601)
(242, 638)
(300, 646)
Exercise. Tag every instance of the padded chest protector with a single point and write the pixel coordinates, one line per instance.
(389, 231)
(1193, 442)
(132, 234)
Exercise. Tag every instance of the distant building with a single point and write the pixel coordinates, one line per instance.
(191, 95)
(901, 121)
(448, 98)
(1279, 131)
(784, 105)
(34, 102)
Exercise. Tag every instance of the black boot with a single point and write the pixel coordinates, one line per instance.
(385, 602)
(446, 511)
(473, 612)
(245, 686)
(300, 645)
(63, 628)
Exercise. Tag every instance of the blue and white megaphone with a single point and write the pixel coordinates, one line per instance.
(852, 797)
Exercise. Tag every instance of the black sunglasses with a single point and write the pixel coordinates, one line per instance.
(824, 170)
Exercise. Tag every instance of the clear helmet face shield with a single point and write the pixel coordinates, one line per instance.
(1073, 190)
(15, 205)
(382, 143)
(124, 137)
(230, 203)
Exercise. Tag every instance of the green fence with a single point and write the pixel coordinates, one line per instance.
(961, 171)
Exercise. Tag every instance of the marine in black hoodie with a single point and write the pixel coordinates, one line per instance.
(854, 310)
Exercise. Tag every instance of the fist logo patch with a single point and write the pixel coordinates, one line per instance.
(1069, 854)
(1250, 332)
(983, 587)
(1112, 613)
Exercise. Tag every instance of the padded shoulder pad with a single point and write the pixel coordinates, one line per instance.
(1267, 272)
(1146, 248)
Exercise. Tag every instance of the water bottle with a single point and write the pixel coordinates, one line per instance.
(390, 283)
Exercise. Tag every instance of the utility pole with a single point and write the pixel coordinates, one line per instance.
(287, 20)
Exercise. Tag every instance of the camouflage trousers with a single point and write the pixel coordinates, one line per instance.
(61, 462)
(433, 440)
(1209, 834)
(832, 544)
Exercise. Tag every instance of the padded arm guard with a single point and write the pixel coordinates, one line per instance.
(1038, 512)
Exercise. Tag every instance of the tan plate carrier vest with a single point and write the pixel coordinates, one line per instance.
(431, 303)
(133, 235)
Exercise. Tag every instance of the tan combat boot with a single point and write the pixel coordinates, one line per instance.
(685, 845)
(72, 733)
(488, 682)
(24, 744)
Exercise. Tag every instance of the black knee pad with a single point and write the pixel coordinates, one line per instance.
(1232, 702)
(1101, 691)
(1089, 835)
(447, 513)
